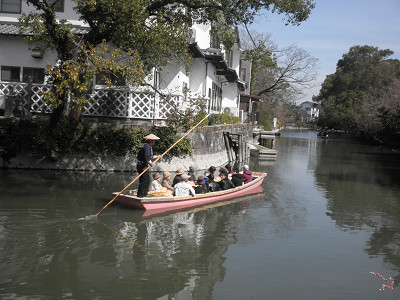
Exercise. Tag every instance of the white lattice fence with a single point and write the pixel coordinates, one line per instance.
(112, 103)
(141, 105)
(38, 104)
(120, 103)
(20, 90)
(168, 106)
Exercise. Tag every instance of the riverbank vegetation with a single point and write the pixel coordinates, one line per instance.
(71, 136)
(26, 136)
(363, 95)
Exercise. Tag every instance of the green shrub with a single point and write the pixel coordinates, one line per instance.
(215, 119)
(69, 136)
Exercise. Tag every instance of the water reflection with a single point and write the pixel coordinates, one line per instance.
(330, 209)
(363, 194)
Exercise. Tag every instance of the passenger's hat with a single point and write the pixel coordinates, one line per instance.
(184, 176)
(151, 137)
(166, 174)
(180, 171)
(156, 175)
(217, 179)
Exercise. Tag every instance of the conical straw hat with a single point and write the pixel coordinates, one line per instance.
(151, 137)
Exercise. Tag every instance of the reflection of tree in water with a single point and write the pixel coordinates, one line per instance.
(359, 181)
(386, 241)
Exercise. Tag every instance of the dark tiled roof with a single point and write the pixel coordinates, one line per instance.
(13, 29)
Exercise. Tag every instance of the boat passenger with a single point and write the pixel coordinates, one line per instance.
(225, 183)
(201, 187)
(213, 186)
(211, 170)
(247, 174)
(206, 176)
(229, 169)
(237, 178)
(165, 182)
(183, 188)
(191, 173)
(145, 159)
(155, 184)
(178, 176)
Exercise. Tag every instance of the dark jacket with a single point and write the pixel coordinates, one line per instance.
(201, 189)
(192, 177)
(226, 184)
(213, 186)
(237, 179)
(145, 155)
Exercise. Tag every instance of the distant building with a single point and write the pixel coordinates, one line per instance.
(312, 111)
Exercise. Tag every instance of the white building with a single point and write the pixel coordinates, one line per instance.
(212, 77)
(312, 111)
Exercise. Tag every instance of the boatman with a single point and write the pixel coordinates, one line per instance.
(145, 158)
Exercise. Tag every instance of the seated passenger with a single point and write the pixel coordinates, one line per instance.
(247, 174)
(166, 183)
(206, 176)
(213, 186)
(201, 187)
(183, 188)
(212, 170)
(178, 176)
(225, 183)
(191, 173)
(237, 178)
(155, 183)
(229, 169)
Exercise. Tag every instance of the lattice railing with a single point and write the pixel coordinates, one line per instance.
(119, 103)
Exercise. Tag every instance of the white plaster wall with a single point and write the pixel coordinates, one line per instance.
(172, 78)
(197, 78)
(202, 35)
(14, 52)
(230, 97)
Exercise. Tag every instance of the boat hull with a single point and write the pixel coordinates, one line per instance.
(175, 203)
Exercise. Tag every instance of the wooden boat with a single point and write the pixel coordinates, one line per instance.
(162, 204)
(322, 135)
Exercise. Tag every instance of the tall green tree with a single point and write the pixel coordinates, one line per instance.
(363, 94)
(128, 38)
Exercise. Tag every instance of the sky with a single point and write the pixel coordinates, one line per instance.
(333, 27)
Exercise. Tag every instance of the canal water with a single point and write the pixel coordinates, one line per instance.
(329, 215)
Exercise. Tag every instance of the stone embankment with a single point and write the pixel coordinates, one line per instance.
(207, 143)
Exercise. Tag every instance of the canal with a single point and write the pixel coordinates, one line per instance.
(329, 215)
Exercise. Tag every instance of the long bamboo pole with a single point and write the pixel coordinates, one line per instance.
(161, 156)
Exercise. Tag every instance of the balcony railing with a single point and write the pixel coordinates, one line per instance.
(117, 103)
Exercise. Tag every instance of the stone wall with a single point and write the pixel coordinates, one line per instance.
(207, 143)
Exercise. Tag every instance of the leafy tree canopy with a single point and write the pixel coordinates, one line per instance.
(363, 95)
(128, 38)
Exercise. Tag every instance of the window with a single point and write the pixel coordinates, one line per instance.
(242, 73)
(115, 80)
(216, 97)
(10, 6)
(37, 75)
(58, 5)
(9, 73)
